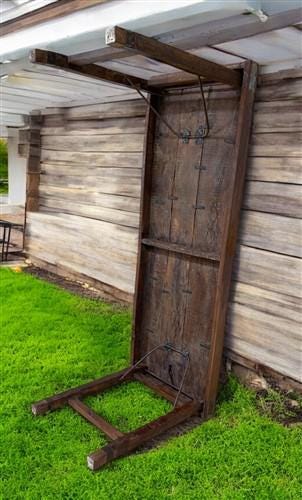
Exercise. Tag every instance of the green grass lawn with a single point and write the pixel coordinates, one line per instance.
(52, 340)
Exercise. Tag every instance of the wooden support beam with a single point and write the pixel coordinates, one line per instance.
(60, 61)
(231, 223)
(120, 38)
(129, 442)
(170, 80)
(77, 405)
(94, 387)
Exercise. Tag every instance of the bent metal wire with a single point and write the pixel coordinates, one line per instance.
(186, 135)
(168, 347)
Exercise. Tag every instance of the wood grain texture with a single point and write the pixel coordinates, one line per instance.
(280, 90)
(90, 143)
(284, 170)
(271, 232)
(276, 144)
(252, 336)
(268, 270)
(278, 116)
(98, 127)
(275, 198)
(102, 159)
(111, 110)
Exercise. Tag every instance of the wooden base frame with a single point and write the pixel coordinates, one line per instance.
(121, 444)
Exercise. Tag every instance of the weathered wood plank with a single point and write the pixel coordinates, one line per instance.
(278, 75)
(268, 271)
(119, 186)
(77, 182)
(79, 170)
(115, 238)
(103, 269)
(98, 127)
(252, 336)
(278, 116)
(123, 218)
(104, 143)
(274, 303)
(271, 232)
(127, 160)
(51, 196)
(275, 198)
(128, 109)
(285, 89)
(284, 170)
(276, 145)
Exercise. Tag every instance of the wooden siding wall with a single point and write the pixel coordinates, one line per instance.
(264, 321)
(89, 193)
(88, 215)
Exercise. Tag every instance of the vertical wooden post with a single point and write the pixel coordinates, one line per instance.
(231, 224)
(33, 163)
(33, 167)
(144, 217)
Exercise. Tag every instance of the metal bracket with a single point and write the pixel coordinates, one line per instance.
(200, 134)
(185, 135)
(200, 167)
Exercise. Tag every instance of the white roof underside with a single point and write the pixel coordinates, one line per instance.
(26, 87)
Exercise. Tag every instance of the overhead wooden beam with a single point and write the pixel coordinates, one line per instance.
(46, 13)
(119, 37)
(203, 35)
(170, 80)
(60, 61)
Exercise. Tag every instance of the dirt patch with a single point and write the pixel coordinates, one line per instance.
(77, 287)
(284, 407)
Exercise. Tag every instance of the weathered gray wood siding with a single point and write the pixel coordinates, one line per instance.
(264, 320)
(88, 216)
(89, 192)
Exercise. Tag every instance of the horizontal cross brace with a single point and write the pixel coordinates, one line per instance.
(95, 419)
(176, 248)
